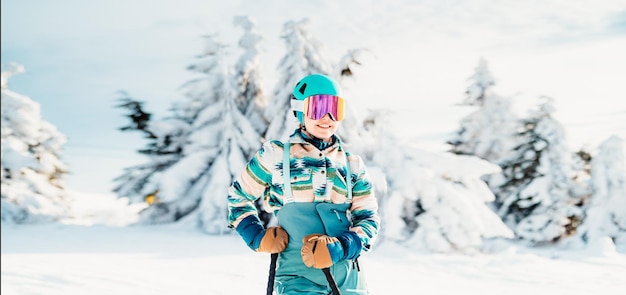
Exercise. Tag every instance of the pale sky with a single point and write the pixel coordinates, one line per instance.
(78, 54)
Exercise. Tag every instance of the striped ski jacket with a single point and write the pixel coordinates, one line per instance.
(316, 176)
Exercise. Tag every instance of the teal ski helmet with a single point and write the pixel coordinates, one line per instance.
(314, 84)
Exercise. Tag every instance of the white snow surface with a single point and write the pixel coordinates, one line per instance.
(95, 253)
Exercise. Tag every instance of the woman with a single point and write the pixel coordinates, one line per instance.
(325, 222)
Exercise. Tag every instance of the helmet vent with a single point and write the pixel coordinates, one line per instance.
(302, 88)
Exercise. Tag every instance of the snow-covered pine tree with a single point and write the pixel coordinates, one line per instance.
(303, 57)
(606, 211)
(480, 83)
(252, 100)
(32, 171)
(488, 132)
(130, 183)
(536, 194)
(430, 201)
(148, 182)
(439, 203)
(224, 133)
(217, 146)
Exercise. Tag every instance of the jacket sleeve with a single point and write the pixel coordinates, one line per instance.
(249, 186)
(364, 208)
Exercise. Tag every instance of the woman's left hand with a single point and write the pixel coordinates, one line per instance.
(322, 251)
(318, 250)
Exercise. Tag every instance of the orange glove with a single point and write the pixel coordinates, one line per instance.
(322, 251)
(315, 250)
(274, 240)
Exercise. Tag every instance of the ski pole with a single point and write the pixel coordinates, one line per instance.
(331, 281)
(270, 280)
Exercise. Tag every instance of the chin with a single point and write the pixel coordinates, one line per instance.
(324, 134)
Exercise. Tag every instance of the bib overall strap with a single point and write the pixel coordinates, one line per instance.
(348, 178)
(288, 195)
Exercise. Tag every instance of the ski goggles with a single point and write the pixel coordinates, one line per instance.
(317, 106)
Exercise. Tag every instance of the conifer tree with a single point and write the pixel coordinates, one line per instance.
(223, 137)
(303, 57)
(606, 211)
(433, 202)
(251, 100)
(166, 140)
(32, 170)
(536, 194)
(481, 82)
(213, 141)
(488, 132)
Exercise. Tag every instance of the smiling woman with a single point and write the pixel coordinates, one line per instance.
(320, 194)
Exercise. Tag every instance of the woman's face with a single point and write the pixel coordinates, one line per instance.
(323, 128)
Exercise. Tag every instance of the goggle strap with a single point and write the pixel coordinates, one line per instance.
(297, 105)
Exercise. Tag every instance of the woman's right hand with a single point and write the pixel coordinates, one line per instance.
(274, 240)
(260, 239)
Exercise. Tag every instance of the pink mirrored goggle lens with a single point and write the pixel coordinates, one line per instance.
(317, 106)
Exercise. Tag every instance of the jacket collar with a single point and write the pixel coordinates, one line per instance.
(296, 137)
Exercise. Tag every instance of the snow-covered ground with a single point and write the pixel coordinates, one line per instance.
(96, 254)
